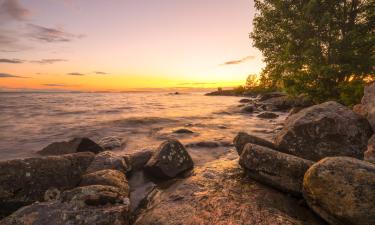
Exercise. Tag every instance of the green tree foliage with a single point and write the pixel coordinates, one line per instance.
(324, 48)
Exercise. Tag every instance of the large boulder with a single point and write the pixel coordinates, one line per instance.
(280, 170)
(370, 153)
(341, 190)
(170, 159)
(107, 160)
(72, 146)
(57, 213)
(243, 138)
(368, 101)
(24, 181)
(327, 129)
(108, 177)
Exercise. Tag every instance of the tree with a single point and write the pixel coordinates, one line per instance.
(252, 81)
(323, 48)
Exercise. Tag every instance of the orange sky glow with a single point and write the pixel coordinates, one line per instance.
(119, 45)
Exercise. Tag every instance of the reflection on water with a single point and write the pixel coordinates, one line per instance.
(31, 121)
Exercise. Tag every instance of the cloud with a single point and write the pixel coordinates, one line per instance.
(13, 10)
(76, 74)
(48, 61)
(238, 61)
(100, 73)
(7, 75)
(13, 61)
(50, 35)
(55, 85)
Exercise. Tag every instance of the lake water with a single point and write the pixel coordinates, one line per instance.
(30, 121)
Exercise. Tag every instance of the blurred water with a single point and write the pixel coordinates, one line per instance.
(30, 121)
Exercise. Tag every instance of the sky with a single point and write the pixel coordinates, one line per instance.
(119, 45)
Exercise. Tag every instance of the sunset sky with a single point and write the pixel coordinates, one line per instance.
(116, 45)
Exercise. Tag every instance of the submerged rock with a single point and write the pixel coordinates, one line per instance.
(57, 213)
(108, 177)
(280, 170)
(341, 190)
(107, 160)
(218, 193)
(183, 131)
(328, 129)
(170, 159)
(245, 100)
(204, 144)
(370, 153)
(24, 181)
(73, 146)
(369, 102)
(268, 115)
(248, 109)
(136, 161)
(243, 138)
(110, 143)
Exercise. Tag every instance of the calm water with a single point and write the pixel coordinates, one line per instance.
(30, 121)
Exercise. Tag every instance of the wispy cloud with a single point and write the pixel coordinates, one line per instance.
(55, 85)
(100, 73)
(76, 74)
(48, 61)
(50, 35)
(7, 75)
(12, 61)
(239, 61)
(197, 83)
(13, 10)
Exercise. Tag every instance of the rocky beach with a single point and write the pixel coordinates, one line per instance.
(310, 164)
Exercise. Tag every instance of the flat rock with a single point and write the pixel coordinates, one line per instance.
(108, 177)
(73, 146)
(137, 160)
(57, 213)
(183, 131)
(204, 144)
(370, 153)
(24, 181)
(327, 129)
(245, 100)
(341, 190)
(107, 160)
(169, 160)
(279, 170)
(218, 193)
(243, 138)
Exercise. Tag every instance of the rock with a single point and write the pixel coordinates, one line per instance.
(140, 188)
(327, 129)
(280, 170)
(245, 100)
(268, 115)
(270, 95)
(360, 110)
(370, 153)
(283, 103)
(110, 143)
(107, 160)
(170, 159)
(73, 146)
(95, 195)
(243, 138)
(369, 102)
(24, 181)
(108, 177)
(203, 144)
(183, 131)
(248, 109)
(137, 160)
(294, 110)
(341, 190)
(218, 193)
(56, 213)
(52, 194)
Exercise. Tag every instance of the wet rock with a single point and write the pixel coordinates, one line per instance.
(95, 195)
(110, 143)
(341, 190)
(369, 103)
(204, 144)
(136, 161)
(72, 146)
(370, 153)
(279, 170)
(107, 160)
(57, 213)
(327, 129)
(140, 188)
(360, 110)
(183, 131)
(108, 177)
(243, 138)
(245, 100)
(218, 193)
(170, 159)
(268, 115)
(248, 109)
(24, 181)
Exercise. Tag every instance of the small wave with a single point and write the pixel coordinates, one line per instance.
(132, 121)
